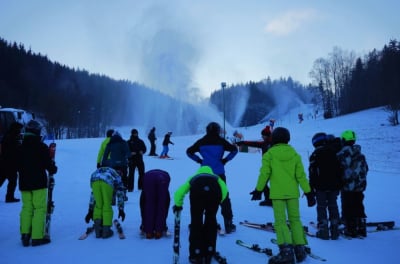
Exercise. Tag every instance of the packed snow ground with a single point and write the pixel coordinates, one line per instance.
(76, 160)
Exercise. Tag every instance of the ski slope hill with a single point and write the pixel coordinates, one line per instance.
(76, 160)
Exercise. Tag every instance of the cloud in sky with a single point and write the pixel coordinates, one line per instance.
(290, 21)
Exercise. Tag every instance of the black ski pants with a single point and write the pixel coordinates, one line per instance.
(133, 164)
(327, 202)
(205, 196)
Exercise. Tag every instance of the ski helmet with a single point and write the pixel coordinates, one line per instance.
(33, 127)
(280, 135)
(213, 128)
(348, 135)
(319, 139)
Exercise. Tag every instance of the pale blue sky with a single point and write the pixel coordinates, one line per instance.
(171, 44)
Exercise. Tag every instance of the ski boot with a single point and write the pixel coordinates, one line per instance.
(285, 255)
(229, 226)
(98, 228)
(300, 253)
(107, 232)
(362, 227)
(41, 241)
(350, 229)
(334, 229)
(323, 232)
(25, 238)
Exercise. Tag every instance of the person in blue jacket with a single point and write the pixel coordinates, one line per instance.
(211, 148)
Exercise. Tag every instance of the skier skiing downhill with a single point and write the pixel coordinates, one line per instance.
(207, 191)
(105, 182)
(264, 145)
(282, 166)
(154, 203)
(212, 148)
(33, 160)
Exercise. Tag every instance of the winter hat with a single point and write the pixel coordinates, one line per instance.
(266, 131)
(34, 127)
(134, 131)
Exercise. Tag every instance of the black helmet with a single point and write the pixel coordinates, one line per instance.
(33, 127)
(134, 131)
(213, 128)
(110, 132)
(280, 135)
(319, 139)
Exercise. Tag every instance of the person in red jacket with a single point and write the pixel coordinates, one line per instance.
(264, 145)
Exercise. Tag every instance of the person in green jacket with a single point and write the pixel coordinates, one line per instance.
(283, 168)
(207, 191)
(103, 146)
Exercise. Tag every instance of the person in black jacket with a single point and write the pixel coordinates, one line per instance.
(33, 160)
(165, 143)
(9, 146)
(137, 148)
(152, 138)
(325, 180)
(264, 145)
(212, 148)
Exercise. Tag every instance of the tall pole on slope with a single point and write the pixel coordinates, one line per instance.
(223, 85)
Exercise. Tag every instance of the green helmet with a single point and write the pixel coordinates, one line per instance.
(349, 135)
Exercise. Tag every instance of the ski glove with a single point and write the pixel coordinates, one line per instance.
(256, 195)
(89, 216)
(176, 208)
(311, 201)
(121, 214)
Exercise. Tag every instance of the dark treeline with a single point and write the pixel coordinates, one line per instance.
(348, 84)
(73, 103)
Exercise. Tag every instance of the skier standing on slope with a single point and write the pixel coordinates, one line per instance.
(325, 179)
(212, 148)
(152, 138)
(33, 160)
(282, 166)
(207, 191)
(137, 148)
(165, 143)
(103, 146)
(264, 145)
(354, 178)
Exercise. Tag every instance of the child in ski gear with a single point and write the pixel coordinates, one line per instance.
(354, 178)
(207, 191)
(11, 141)
(165, 143)
(154, 203)
(264, 145)
(103, 145)
(105, 182)
(33, 160)
(325, 181)
(137, 148)
(116, 156)
(212, 148)
(282, 166)
(152, 138)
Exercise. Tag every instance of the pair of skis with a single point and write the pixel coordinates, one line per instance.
(117, 225)
(50, 188)
(177, 244)
(268, 251)
(269, 226)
